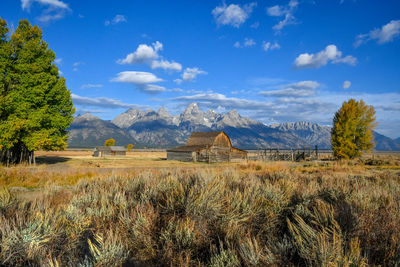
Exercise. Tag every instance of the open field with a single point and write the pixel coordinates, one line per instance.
(74, 210)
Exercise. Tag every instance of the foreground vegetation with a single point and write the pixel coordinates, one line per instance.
(252, 214)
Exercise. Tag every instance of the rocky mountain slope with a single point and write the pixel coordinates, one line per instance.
(89, 131)
(159, 129)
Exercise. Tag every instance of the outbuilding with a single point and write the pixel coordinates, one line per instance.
(207, 147)
(109, 151)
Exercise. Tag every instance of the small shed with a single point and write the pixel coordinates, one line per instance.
(109, 151)
(207, 147)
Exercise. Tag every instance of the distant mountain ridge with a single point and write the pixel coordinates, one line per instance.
(159, 129)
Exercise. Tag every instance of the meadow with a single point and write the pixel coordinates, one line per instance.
(73, 210)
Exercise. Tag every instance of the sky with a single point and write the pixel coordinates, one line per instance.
(273, 61)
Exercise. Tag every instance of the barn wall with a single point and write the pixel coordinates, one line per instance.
(181, 156)
(222, 141)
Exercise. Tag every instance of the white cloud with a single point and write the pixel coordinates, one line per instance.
(176, 90)
(268, 46)
(143, 54)
(276, 11)
(117, 19)
(89, 85)
(58, 61)
(142, 80)
(294, 90)
(385, 34)
(215, 100)
(248, 42)
(329, 54)
(152, 88)
(286, 11)
(78, 63)
(346, 84)
(233, 14)
(178, 81)
(146, 54)
(190, 74)
(136, 77)
(101, 102)
(26, 4)
(56, 9)
(166, 65)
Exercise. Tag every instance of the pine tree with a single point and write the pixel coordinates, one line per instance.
(35, 105)
(352, 129)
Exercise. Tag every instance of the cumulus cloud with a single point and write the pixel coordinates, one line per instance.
(103, 102)
(266, 46)
(248, 42)
(385, 34)
(55, 10)
(166, 65)
(346, 84)
(142, 80)
(143, 54)
(294, 90)
(90, 85)
(329, 54)
(117, 19)
(190, 74)
(149, 54)
(283, 11)
(233, 15)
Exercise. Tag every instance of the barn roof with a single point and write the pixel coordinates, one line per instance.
(110, 148)
(203, 138)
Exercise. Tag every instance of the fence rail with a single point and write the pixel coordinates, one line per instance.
(295, 154)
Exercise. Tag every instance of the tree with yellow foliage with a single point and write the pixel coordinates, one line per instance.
(352, 132)
(109, 142)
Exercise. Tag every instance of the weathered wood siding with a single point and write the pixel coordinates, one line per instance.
(222, 140)
(181, 155)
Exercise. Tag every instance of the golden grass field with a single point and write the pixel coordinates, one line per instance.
(71, 209)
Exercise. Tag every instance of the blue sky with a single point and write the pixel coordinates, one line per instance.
(274, 61)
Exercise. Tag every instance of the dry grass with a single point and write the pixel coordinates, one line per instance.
(150, 212)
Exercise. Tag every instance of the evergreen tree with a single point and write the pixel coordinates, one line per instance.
(35, 106)
(352, 129)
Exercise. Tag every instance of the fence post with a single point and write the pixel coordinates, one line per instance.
(316, 151)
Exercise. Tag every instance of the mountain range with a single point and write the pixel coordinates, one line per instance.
(159, 129)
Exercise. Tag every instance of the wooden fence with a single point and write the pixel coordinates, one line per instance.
(295, 154)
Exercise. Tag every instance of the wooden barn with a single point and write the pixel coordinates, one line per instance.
(207, 147)
(109, 151)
